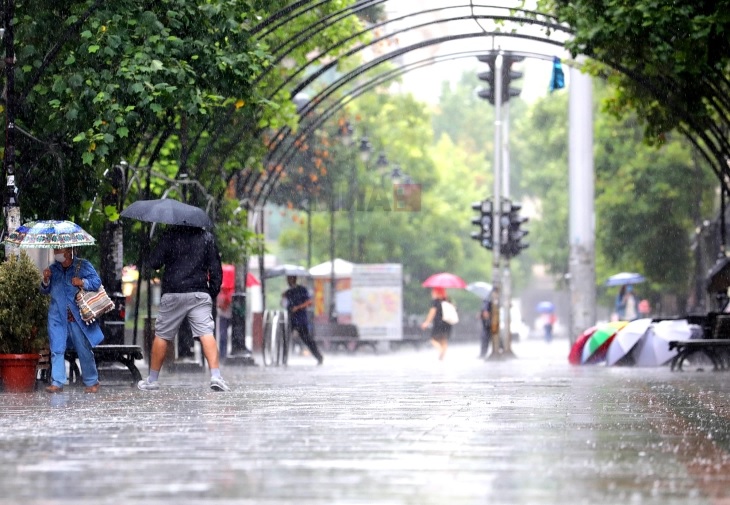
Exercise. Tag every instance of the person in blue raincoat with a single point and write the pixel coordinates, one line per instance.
(62, 280)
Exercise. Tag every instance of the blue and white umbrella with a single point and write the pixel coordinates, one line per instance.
(625, 278)
(49, 234)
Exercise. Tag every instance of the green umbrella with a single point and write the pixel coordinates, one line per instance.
(597, 346)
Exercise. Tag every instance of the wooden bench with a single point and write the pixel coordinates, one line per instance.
(717, 350)
(124, 354)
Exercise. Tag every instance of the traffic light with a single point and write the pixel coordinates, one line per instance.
(484, 222)
(514, 244)
(508, 75)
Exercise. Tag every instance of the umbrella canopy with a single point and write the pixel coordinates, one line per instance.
(480, 288)
(545, 307)
(49, 235)
(596, 347)
(625, 340)
(168, 211)
(653, 348)
(577, 348)
(287, 270)
(444, 280)
(625, 278)
(229, 278)
(343, 269)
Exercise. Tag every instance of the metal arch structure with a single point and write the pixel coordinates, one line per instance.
(253, 179)
(713, 145)
(283, 154)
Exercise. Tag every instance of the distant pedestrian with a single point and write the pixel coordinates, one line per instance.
(297, 300)
(191, 281)
(62, 280)
(625, 306)
(644, 308)
(548, 323)
(485, 316)
(440, 330)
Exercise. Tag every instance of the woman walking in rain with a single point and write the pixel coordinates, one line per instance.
(440, 330)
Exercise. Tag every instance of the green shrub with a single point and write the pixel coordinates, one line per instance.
(23, 308)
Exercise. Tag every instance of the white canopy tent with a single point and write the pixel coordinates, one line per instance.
(343, 269)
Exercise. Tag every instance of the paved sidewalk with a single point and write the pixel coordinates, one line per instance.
(395, 428)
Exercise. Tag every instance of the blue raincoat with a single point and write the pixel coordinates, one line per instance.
(63, 298)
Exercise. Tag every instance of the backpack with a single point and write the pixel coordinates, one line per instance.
(448, 313)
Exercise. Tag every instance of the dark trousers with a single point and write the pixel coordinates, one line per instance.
(303, 332)
(486, 339)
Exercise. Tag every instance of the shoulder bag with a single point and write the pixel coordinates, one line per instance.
(448, 313)
(92, 304)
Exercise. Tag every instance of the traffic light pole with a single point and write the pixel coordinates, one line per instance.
(507, 274)
(497, 207)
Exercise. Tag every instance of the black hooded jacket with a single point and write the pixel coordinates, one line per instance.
(191, 260)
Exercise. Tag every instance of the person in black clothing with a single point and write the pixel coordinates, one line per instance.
(441, 330)
(297, 300)
(191, 281)
(485, 315)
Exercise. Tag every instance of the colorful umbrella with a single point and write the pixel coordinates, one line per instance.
(444, 280)
(625, 340)
(597, 346)
(577, 348)
(49, 234)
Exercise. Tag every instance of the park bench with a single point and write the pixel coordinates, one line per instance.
(124, 354)
(715, 348)
(335, 336)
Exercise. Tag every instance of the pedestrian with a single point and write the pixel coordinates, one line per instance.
(191, 281)
(626, 307)
(440, 330)
(225, 314)
(297, 300)
(548, 322)
(62, 280)
(644, 308)
(485, 316)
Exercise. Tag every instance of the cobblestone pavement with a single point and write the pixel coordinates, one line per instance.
(392, 428)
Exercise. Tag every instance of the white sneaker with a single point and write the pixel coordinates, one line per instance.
(218, 384)
(145, 385)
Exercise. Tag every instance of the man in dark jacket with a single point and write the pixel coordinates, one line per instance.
(190, 282)
(297, 300)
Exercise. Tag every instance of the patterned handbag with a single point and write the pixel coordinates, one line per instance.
(92, 304)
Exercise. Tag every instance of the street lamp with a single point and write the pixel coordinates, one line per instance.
(365, 150)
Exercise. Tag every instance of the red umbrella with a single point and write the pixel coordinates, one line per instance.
(444, 280)
(229, 278)
(574, 358)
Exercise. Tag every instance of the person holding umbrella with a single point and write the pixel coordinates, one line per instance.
(62, 280)
(191, 281)
(440, 330)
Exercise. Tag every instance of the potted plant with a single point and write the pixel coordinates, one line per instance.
(23, 323)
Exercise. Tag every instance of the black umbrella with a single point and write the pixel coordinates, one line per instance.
(168, 211)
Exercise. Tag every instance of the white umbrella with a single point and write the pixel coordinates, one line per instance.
(653, 348)
(480, 288)
(625, 340)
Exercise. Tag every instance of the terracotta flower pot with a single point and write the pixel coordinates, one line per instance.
(18, 372)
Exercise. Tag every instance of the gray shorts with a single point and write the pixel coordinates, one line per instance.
(174, 307)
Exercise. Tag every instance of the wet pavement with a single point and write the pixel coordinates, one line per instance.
(393, 428)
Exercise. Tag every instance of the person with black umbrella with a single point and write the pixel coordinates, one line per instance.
(191, 281)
